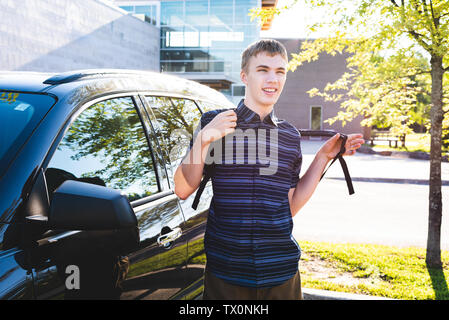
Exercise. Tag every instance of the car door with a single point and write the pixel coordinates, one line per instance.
(16, 280)
(107, 144)
(174, 120)
(157, 268)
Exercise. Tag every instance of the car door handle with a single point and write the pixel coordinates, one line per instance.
(165, 240)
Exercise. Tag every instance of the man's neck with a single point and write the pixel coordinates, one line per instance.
(261, 110)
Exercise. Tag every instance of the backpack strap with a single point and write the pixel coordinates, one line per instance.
(209, 168)
(200, 190)
(343, 164)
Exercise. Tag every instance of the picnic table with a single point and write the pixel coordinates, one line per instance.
(387, 136)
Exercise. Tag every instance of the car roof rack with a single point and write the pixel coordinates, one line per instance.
(71, 76)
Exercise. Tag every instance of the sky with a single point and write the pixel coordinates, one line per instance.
(291, 23)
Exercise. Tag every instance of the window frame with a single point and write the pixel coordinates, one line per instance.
(9, 156)
(150, 114)
(134, 96)
(321, 117)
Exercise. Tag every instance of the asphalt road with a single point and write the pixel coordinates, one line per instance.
(390, 204)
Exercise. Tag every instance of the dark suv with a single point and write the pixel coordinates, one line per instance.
(87, 207)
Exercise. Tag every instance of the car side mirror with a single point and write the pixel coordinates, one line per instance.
(78, 205)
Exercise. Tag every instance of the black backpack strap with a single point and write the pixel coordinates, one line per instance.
(200, 190)
(208, 168)
(343, 164)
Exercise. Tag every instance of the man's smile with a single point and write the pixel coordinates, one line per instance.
(269, 91)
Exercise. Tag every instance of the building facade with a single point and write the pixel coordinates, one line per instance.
(295, 104)
(202, 40)
(64, 35)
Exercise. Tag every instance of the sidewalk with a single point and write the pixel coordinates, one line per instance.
(364, 166)
(315, 294)
(389, 207)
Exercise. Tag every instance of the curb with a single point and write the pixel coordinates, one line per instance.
(400, 154)
(391, 180)
(315, 294)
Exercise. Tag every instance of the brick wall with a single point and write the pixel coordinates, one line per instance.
(294, 103)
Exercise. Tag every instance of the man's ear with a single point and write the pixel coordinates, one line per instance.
(243, 77)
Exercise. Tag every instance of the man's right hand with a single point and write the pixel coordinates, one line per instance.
(221, 125)
(188, 175)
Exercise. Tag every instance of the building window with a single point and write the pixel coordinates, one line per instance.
(147, 11)
(203, 36)
(238, 90)
(316, 117)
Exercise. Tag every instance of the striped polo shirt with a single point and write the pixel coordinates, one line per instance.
(248, 240)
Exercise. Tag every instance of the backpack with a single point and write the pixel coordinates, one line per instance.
(209, 168)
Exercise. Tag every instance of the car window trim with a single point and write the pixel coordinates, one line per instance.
(152, 198)
(197, 103)
(136, 101)
(146, 106)
(143, 110)
(192, 97)
(168, 95)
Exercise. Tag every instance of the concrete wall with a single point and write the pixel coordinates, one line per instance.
(294, 103)
(63, 35)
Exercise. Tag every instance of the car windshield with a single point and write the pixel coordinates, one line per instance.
(19, 115)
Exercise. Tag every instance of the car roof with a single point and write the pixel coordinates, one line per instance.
(99, 81)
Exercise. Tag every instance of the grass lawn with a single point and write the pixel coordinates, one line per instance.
(376, 270)
(393, 272)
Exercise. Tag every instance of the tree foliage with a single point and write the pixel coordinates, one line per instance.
(389, 46)
(398, 60)
(109, 141)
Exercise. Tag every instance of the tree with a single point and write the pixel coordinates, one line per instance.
(109, 140)
(398, 55)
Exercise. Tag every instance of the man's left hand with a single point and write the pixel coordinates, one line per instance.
(332, 146)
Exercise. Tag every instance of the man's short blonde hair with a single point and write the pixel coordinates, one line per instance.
(270, 46)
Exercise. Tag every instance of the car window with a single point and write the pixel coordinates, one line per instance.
(208, 106)
(19, 115)
(106, 145)
(174, 121)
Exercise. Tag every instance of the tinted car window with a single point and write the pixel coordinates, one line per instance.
(174, 122)
(106, 145)
(19, 115)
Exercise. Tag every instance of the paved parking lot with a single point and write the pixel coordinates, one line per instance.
(390, 213)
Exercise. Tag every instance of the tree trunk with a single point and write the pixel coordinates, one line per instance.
(433, 256)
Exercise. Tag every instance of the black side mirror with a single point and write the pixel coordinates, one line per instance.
(78, 205)
(82, 206)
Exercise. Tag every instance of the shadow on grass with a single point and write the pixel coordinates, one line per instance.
(439, 283)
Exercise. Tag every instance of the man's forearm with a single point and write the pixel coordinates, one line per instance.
(188, 175)
(308, 183)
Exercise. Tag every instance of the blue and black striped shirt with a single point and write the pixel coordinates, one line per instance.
(248, 240)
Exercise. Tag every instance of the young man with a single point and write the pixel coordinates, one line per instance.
(250, 251)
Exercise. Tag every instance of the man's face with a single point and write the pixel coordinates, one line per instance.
(264, 78)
